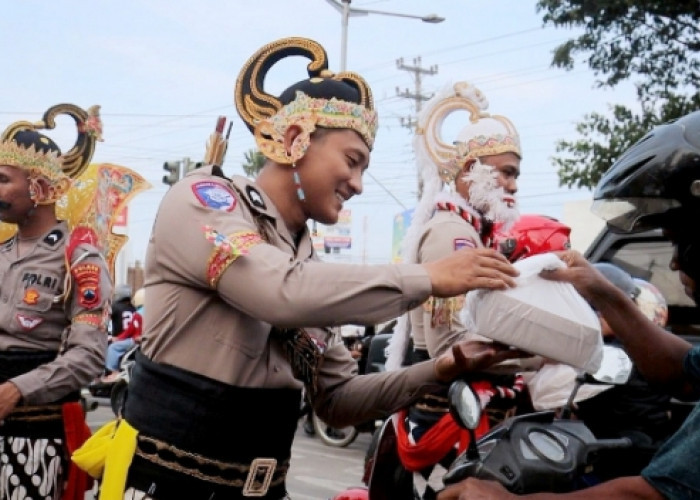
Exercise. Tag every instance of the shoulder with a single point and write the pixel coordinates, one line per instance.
(449, 229)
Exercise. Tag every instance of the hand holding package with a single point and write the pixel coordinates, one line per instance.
(544, 317)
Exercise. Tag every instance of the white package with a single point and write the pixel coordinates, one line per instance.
(540, 316)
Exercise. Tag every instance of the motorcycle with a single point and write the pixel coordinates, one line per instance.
(120, 386)
(116, 389)
(539, 451)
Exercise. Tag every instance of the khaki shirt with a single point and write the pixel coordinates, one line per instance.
(435, 326)
(212, 303)
(38, 313)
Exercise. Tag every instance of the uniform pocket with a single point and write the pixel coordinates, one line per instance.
(35, 301)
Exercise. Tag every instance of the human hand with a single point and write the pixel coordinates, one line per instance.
(475, 489)
(469, 356)
(470, 268)
(9, 397)
(587, 280)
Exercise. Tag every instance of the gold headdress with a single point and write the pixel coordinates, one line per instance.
(485, 134)
(325, 100)
(91, 202)
(42, 158)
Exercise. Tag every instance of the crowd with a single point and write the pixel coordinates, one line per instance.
(242, 314)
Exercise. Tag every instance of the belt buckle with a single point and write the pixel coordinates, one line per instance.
(259, 477)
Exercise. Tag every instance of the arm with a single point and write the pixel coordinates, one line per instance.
(345, 399)
(657, 353)
(82, 352)
(626, 488)
(334, 294)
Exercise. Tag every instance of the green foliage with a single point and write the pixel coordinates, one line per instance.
(654, 41)
(254, 162)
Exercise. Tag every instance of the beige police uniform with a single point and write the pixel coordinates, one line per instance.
(52, 343)
(223, 277)
(216, 322)
(436, 325)
(38, 313)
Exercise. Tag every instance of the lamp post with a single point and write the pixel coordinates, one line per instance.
(343, 6)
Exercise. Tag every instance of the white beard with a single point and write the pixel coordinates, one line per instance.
(488, 197)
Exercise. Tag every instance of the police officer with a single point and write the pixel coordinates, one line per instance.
(469, 185)
(655, 183)
(54, 303)
(239, 304)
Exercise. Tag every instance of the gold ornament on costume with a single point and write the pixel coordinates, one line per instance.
(485, 134)
(72, 162)
(268, 118)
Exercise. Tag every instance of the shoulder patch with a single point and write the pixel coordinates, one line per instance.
(87, 279)
(215, 195)
(53, 237)
(460, 243)
(255, 197)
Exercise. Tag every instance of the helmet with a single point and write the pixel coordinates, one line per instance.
(139, 297)
(654, 179)
(618, 277)
(531, 235)
(353, 494)
(122, 292)
(651, 302)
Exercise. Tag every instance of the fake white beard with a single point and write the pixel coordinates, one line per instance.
(487, 196)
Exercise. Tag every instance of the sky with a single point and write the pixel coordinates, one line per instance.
(163, 71)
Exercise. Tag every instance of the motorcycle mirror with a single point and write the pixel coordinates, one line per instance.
(615, 368)
(464, 404)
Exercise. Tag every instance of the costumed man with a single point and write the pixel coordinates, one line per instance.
(654, 184)
(56, 290)
(469, 185)
(243, 302)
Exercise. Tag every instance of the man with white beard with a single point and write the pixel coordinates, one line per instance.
(469, 184)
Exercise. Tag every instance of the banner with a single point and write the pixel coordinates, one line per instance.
(401, 222)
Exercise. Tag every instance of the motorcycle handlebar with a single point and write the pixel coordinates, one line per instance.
(610, 444)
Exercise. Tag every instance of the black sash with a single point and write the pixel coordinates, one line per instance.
(220, 422)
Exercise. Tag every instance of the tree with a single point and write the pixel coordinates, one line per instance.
(655, 41)
(254, 161)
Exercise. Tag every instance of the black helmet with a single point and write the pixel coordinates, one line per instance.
(655, 180)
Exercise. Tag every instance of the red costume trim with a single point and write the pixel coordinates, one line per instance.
(467, 216)
(438, 440)
(77, 432)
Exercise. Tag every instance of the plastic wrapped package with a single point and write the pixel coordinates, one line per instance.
(544, 317)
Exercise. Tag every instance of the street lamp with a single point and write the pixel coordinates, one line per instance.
(343, 6)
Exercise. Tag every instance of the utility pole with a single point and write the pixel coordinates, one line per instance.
(417, 96)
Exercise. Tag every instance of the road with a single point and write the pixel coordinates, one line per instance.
(317, 471)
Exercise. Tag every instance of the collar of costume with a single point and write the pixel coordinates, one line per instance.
(484, 135)
(42, 159)
(325, 99)
(458, 205)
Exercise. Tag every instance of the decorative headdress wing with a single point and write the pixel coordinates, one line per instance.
(94, 202)
(89, 204)
(325, 99)
(484, 135)
(77, 158)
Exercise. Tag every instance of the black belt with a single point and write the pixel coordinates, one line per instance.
(167, 484)
(189, 424)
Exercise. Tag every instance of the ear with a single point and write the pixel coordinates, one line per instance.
(290, 135)
(297, 139)
(467, 166)
(38, 189)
